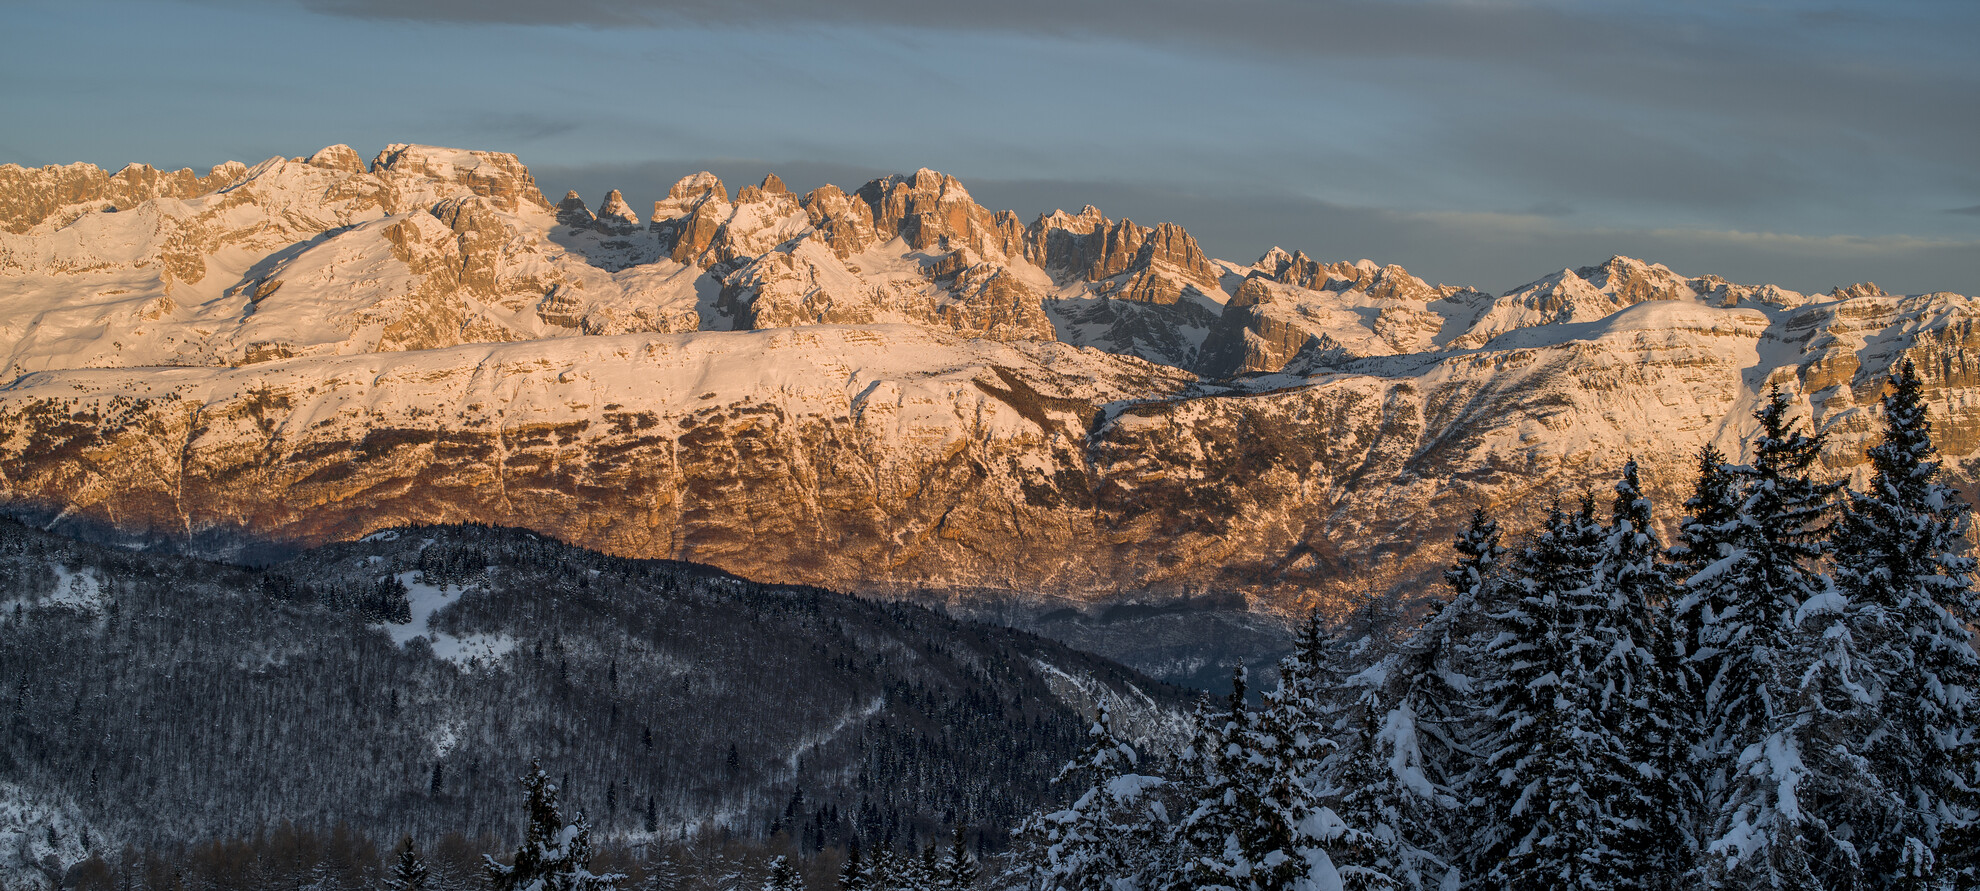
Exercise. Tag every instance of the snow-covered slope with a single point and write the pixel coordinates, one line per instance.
(892, 389)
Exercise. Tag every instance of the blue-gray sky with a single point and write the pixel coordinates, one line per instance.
(1482, 142)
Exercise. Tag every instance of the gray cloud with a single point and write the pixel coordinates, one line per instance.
(1546, 209)
(1973, 211)
(520, 127)
(1614, 43)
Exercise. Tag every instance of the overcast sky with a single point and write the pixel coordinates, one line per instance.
(1482, 142)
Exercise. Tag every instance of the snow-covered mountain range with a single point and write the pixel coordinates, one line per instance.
(889, 390)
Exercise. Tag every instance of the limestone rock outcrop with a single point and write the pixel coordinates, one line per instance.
(892, 390)
(497, 176)
(572, 212)
(616, 214)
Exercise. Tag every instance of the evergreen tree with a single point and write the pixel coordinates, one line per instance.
(1478, 588)
(1401, 772)
(1901, 561)
(1767, 572)
(888, 869)
(1108, 840)
(1691, 657)
(1547, 768)
(1831, 718)
(1364, 798)
(1294, 738)
(1311, 683)
(923, 872)
(554, 856)
(853, 875)
(1642, 696)
(881, 869)
(1475, 573)
(1238, 834)
(409, 870)
(958, 870)
(782, 876)
(1705, 538)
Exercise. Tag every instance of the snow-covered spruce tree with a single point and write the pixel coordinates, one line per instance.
(1235, 836)
(1399, 774)
(957, 870)
(1478, 577)
(1901, 562)
(1475, 573)
(931, 866)
(1642, 695)
(1705, 538)
(554, 856)
(915, 871)
(1312, 679)
(852, 874)
(1767, 571)
(782, 876)
(883, 869)
(1297, 734)
(1699, 601)
(1109, 839)
(409, 871)
(1831, 718)
(1361, 791)
(1548, 766)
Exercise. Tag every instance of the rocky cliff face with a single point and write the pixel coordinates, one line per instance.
(892, 389)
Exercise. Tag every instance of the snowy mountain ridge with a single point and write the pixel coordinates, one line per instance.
(893, 389)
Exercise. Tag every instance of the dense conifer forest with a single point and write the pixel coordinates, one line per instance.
(219, 717)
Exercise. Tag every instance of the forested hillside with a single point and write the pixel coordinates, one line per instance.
(151, 700)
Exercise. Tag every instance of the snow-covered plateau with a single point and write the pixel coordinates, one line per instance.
(893, 390)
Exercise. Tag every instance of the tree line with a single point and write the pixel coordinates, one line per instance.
(1783, 698)
(556, 853)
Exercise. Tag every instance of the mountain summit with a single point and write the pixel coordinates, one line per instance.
(892, 389)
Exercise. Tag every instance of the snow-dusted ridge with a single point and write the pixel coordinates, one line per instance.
(893, 389)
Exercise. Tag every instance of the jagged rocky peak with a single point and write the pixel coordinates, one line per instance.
(1273, 261)
(770, 186)
(691, 216)
(30, 195)
(1860, 289)
(1171, 244)
(497, 176)
(572, 212)
(1088, 221)
(695, 186)
(1294, 268)
(1388, 282)
(1630, 281)
(924, 208)
(840, 221)
(1159, 263)
(616, 212)
(341, 158)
